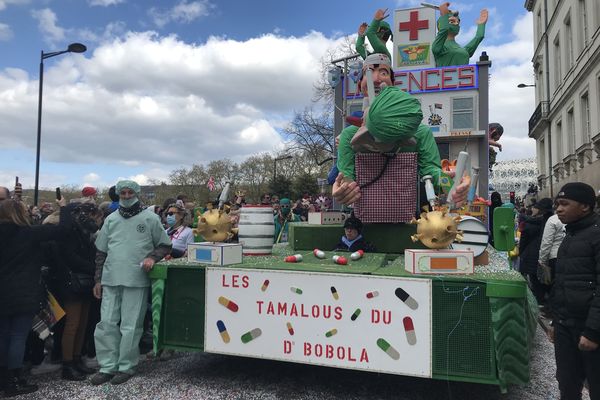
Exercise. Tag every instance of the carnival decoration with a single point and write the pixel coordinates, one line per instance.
(215, 224)
(436, 229)
(334, 76)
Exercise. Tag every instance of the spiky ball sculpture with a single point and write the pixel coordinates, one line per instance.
(436, 229)
(215, 226)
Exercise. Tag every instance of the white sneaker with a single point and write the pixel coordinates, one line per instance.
(45, 368)
(90, 362)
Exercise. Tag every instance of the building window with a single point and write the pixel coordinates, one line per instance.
(542, 153)
(462, 113)
(568, 42)
(584, 24)
(571, 134)
(557, 62)
(585, 118)
(559, 141)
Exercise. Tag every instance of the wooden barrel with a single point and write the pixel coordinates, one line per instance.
(475, 235)
(256, 230)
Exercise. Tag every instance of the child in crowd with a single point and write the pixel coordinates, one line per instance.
(353, 240)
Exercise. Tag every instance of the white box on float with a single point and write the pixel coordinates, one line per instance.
(215, 253)
(438, 261)
(326, 218)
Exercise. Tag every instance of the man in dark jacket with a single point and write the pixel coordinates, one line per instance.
(575, 296)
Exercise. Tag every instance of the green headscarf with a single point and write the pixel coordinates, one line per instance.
(394, 115)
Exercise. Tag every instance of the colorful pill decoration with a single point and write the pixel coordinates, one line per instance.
(331, 332)
(250, 336)
(355, 314)
(319, 253)
(388, 349)
(265, 285)
(409, 327)
(296, 290)
(341, 260)
(357, 255)
(223, 331)
(293, 259)
(334, 293)
(230, 305)
(407, 299)
(372, 294)
(290, 328)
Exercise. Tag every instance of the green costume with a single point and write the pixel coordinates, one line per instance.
(377, 44)
(127, 237)
(447, 52)
(394, 122)
(282, 221)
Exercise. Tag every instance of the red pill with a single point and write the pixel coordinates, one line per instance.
(230, 305)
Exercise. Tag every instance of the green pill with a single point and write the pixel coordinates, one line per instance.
(250, 336)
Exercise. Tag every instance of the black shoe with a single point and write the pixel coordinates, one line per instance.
(16, 385)
(81, 367)
(120, 377)
(100, 377)
(71, 373)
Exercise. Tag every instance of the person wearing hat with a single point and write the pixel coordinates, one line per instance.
(282, 220)
(392, 124)
(88, 194)
(575, 295)
(353, 239)
(445, 49)
(130, 242)
(532, 228)
(378, 34)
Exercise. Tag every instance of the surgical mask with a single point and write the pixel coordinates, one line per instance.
(171, 220)
(127, 203)
(285, 210)
(454, 29)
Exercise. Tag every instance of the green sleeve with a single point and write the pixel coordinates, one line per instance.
(440, 39)
(360, 46)
(429, 154)
(472, 45)
(345, 161)
(378, 46)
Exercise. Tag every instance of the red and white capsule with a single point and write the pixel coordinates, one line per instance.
(293, 259)
(341, 260)
(409, 328)
(319, 253)
(357, 255)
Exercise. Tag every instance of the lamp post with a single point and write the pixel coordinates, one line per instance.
(524, 85)
(73, 48)
(275, 165)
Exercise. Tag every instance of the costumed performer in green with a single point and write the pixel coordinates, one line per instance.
(282, 220)
(445, 49)
(378, 34)
(391, 124)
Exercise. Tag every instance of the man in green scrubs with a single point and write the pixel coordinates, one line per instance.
(129, 243)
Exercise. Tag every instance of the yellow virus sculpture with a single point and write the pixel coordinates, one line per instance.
(215, 226)
(437, 229)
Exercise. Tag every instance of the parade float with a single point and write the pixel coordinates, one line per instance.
(434, 301)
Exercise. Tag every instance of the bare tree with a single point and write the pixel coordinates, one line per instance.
(311, 133)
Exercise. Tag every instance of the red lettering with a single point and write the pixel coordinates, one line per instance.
(245, 281)
(316, 311)
(329, 351)
(429, 72)
(281, 308)
(318, 350)
(364, 357)
(411, 79)
(448, 75)
(294, 310)
(375, 316)
(234, 281)
(350, 358)
(341, 352)
(270, 308)
(307, 349)
(327, 312)
(260, 303)
(399, 80)
(303, 314)
(469, 75)
(338, 313)
(287, 347)
(223, 281)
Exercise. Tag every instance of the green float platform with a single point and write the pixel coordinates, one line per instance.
(482, 324)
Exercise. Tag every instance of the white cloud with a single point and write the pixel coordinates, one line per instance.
(91, 177)
(6, 3)
(104, 3)
(47, 25)
(5, 32)
(183, 12)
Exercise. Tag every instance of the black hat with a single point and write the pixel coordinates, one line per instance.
(544, 205)
(353, 223)
(578, 191)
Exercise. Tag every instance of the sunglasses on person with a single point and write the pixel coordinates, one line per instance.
(170, 213)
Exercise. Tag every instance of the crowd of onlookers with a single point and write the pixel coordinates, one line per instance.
(94, 259)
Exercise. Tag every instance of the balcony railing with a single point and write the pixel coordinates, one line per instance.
(540, 114)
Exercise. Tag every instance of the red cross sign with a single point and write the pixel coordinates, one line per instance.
(414, 25)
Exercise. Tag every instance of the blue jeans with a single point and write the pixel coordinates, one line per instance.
(13, 337)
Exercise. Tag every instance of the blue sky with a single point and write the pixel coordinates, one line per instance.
(166, 84)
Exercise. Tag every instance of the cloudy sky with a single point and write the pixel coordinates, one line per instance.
(166, 84)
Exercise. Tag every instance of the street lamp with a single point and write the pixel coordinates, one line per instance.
(275, 165)
(73, 48)
(523, 85)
